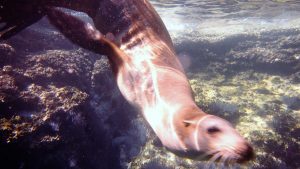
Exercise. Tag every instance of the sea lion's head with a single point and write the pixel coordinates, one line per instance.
(209, 136)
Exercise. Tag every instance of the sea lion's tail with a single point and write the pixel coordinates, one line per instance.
(15, 15)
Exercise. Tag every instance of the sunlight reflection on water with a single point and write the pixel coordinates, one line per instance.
(215, 19)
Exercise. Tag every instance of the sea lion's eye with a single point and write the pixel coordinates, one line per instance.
(187, 124)
(213, 130)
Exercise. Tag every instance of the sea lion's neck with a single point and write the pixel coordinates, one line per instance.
(155, 81)
(154, 67)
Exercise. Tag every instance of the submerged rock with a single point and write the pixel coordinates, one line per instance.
(272, 51)
(46, 119)
(265, 112)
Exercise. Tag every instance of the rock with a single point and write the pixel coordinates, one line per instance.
(272, 51)
(46, 119)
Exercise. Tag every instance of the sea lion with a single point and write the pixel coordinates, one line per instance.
(150, 76)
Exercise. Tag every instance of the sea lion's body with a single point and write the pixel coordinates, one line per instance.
(150, 75)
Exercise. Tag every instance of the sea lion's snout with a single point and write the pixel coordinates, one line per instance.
(246, 154)
(220, 141)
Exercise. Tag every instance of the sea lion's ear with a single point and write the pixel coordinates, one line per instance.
(79, 32)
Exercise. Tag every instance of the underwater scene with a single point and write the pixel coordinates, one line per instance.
(60, 106)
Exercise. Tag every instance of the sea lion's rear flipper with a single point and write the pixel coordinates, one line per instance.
(15, 16)
(85, 35)
(79, 32)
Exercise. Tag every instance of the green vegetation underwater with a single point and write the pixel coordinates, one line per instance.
(60, 106)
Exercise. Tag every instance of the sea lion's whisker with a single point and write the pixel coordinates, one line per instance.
(206, 154)
(211, 152)
(224, 157)
(203, 156)
(215, 157)
(230, 158)
(229, 147)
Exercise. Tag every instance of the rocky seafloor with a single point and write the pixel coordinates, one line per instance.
(60, 106)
